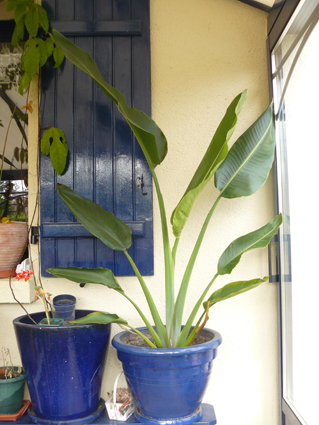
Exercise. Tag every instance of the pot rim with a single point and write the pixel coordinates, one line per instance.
(173, 351)
(15, 222)
(17, 322)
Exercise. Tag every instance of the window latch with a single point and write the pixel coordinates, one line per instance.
(35, 233)
(140, 184)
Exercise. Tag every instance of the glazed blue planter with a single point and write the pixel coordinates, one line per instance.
(168, 384)
(64, 367)
(64, 307)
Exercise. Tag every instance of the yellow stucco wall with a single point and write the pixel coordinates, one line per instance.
(204, 52)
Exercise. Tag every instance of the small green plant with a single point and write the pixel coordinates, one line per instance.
(46, 298)
(241, 171)
(9, 370)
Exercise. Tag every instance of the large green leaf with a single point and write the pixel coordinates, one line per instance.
(18, 33)
(227, 291)
(12, 4)
(5, 159)
(99, 317)
(20, 10)
(59, 153)
(53, 142)
(247, 165)
(49, 45)
(148, 134)
(233, 289)
(103, 277)
(43, 18)
(229, 259)
(58, 56)
(101, 223)
(216, 152)
(30, 59)
(87, 275)
(258, 239)
(32, 20)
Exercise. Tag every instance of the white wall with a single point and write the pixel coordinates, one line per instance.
(204, 52)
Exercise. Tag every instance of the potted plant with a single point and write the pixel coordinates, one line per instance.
(63, 363)
(64, 366)
(12, 382)
(168, 375)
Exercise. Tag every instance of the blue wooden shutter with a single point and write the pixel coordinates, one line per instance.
(105, 162)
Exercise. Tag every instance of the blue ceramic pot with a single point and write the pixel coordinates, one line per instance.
(63, 366)
(64, 307)
(168, 384)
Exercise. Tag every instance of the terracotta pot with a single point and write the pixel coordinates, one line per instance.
(13, 242)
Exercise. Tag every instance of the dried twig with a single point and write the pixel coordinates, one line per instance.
(206, 318)
(20, 302)
(6, 139)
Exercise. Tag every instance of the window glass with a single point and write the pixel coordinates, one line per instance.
(13, 136)
(296, 90)
(14, 200)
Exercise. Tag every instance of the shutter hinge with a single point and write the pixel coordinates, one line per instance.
(140, 184)
(35, 233)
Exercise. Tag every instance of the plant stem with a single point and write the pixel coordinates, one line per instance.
(198, 326)
(156, 317)
(183, 335)
(180, 301)
(19, 302)
(169, 261)
(14, 109)
(175, 249)
(46, 309)
(142, 336)
(147, 323)
(193, 333)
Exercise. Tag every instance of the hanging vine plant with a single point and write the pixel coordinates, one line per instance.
(32, 19)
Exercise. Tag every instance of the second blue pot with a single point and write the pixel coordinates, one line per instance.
(63, 367)
(168, 384)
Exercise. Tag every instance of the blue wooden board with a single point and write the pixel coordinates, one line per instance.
(105, 162)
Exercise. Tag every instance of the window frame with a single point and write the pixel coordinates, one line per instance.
(278, 19)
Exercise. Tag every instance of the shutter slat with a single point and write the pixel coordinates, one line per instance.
(98, 28)
(76, 230)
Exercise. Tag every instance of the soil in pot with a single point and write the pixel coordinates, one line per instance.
(137, 341)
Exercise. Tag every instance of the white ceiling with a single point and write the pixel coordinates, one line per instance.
(260, 4)
(267, 2)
